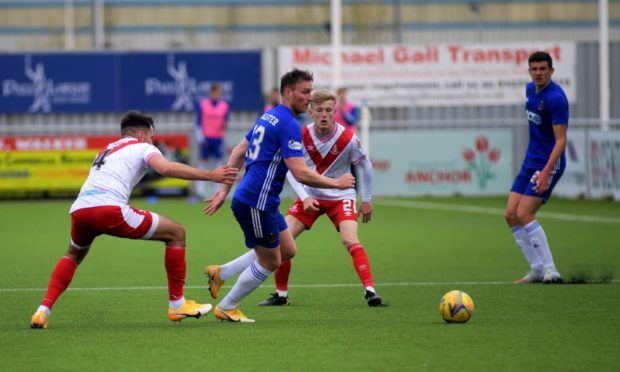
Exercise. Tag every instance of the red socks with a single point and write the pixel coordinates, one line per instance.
(175, 269)
(281, 275)
(360, 262)
(65, 269)
(60, 280)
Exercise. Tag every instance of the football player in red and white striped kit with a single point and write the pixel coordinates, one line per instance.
(102, 207)
(330, 149)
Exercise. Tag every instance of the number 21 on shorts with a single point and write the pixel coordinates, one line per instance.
(348, 206)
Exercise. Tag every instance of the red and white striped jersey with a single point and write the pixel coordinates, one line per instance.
(331, 155)
(114, 173)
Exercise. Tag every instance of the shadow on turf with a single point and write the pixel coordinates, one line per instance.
(383, 304)
(583, 276)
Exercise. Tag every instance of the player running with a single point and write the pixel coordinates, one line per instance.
(102, 208)
(330, 150)
(271, 148)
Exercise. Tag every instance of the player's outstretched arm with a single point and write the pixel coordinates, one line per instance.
(214, 203)
(223, 174)
(235, 160)
(305, 175)
(163, 166)
(237, 156)
(310, 204)
(365, 169)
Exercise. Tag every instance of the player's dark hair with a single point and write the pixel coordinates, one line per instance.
(135, 120)
(540, 56)
(291, 78)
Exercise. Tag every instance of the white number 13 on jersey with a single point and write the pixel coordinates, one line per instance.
(254, 149)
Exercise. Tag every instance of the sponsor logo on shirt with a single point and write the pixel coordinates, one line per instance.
(294, 145)
(91, 192)
(533, 117)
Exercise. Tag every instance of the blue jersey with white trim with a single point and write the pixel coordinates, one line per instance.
(544, 109)
(276, 135)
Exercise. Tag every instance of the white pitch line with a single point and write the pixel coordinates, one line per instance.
(343, 285)
(230, 286)
(491, 211)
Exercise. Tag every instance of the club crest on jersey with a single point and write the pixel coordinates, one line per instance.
(334, 150)
(294, 145)
(541, 105)
(310, 148)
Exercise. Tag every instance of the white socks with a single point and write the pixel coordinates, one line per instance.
(177, 304)
(538, 241)
(530, 253)
(237, 265)
(250, 279)
(45, 309)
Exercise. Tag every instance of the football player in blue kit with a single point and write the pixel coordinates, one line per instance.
(271, 148)
(547, 113)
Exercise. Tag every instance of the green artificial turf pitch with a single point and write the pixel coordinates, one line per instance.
(114, 316)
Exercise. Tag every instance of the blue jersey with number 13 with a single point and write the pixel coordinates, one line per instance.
(276, 135)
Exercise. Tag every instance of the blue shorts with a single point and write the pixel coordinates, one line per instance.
(523, 186)
(259, 227)
(212, 147)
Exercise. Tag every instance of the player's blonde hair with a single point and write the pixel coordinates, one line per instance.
(321, 96)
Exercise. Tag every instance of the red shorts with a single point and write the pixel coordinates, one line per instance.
(122, 221)
(336, 210)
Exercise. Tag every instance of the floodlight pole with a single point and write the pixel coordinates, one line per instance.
(365, 119)
(603, 22)
(69, 25)
(98, 38)
(336, 36)
(396, 10)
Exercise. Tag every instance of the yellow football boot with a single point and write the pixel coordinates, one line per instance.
(215, 283)
(38, 320)
(189, 309)
(234, 315)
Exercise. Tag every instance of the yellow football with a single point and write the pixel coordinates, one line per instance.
(456, 307)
